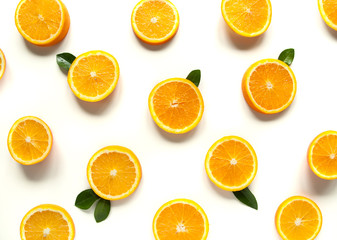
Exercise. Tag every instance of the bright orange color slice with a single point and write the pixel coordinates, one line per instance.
(248, 18)
(180, 219)
(176, 105)
(269, 86)
(298, 218)
(114, 172)
(322, 155)
(231, 163)
(93, 75)
(327, 9)
(29, 140)
(43, 23)
(2, 63)
(47, 221)
(155, 21)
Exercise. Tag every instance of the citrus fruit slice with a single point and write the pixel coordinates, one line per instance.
(322, 155)
(114, 172)
(93, 75)
(47, 221)
(29, 140)
(176, 105)
(269, 86)
(2, 63)
(298, 218)
(248, 18)
(231, 163)
(155, 21)
(43, 23)
(327, 9)
(180, 219)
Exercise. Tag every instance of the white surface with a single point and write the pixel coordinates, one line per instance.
(173, 166)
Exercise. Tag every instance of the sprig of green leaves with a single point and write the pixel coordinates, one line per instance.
(246, 197)
(87, 198)
(194, 77)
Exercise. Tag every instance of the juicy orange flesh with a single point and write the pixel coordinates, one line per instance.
(330, 9)
(180, 222)
(176, 104)
(249, 16)
(40, 19)
(324, 155)
(93, 75)
(231, 163)
(113, 173)
(29, 140)
(306, 217)
(42, 222)
(155, 19)
(271, 85)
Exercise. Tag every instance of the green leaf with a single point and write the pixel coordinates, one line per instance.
(287, 56)
(194, 77)
(246, 196)
(86, 199)
(64, 60)
(102, 210)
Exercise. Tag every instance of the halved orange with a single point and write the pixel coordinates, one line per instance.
(114, 172)
(298, 218)
(231, 163)
(180, 219)
(29, 140)
(269, 86)
(327, 9)
(248, 18)
(155, 21)
(176, 105)
(322, 155)
(47, 221)
(2, 63)
(43, 23)
(93, 75)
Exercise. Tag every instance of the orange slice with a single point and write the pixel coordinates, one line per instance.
(2, 63)
(327, 9)
(43, 23)
(298, 218)
(47, 221)
(93, 75)
(231, 163)
(269, 86)
(180, 219)
(155, 21)
(248, 18)
(176, 105)
(322, 155)
(114, 172)
(29, 140)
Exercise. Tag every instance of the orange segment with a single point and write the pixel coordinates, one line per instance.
(114, 172)
(322, 155)
(327, 9)
(155, 21)
(269, 86)
(180, 219)
(231, 163)
(298, 218)
(47, 221)
(248, 18)
(29, 140)
(176, 105)
(93, 75)
(43, 23)
(2, 63)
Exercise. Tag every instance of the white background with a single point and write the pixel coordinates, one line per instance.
(173, 166)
